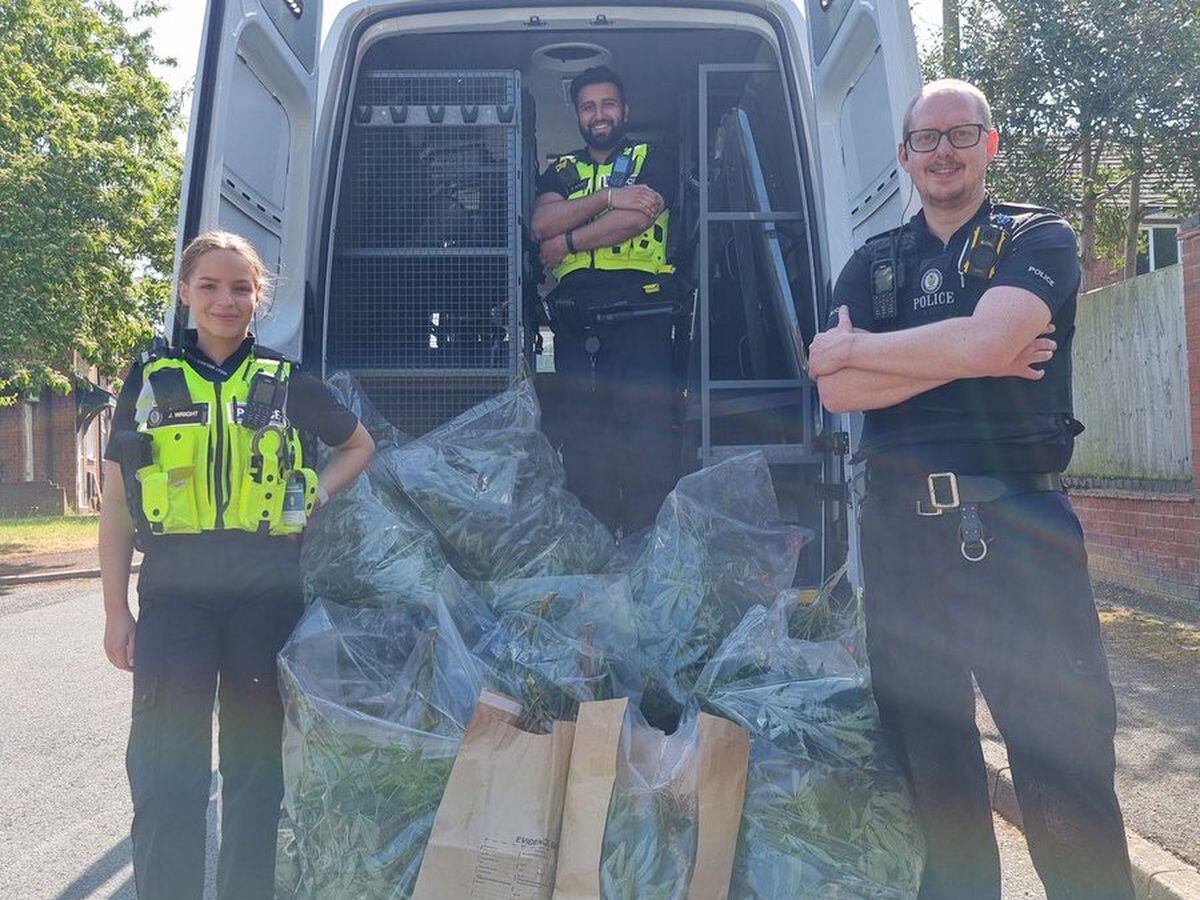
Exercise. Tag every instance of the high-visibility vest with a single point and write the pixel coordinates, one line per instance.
(209, 471)
(645, 252)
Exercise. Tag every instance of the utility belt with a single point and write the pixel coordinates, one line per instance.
(937, 493)
(584, 309)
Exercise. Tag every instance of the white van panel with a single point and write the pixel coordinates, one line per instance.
(252, 168)
(862, 85)
(255, 110)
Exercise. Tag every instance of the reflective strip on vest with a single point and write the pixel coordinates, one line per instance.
(209, 472)
(645, 252)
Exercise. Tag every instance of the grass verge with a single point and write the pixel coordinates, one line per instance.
(47, 534)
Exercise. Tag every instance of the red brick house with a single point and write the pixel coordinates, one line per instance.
(51, 446)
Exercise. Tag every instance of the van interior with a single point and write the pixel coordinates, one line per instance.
(433, 280)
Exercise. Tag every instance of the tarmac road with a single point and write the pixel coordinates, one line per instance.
(64, 717)
(1154, 660)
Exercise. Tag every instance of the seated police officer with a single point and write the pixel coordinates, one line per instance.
(601, 217)
(973, 559)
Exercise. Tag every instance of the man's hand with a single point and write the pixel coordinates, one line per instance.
(830, 350)
(119, 629)
(1036, 352)
(553, 250)
(638, 198)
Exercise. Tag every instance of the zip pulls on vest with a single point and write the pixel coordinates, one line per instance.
(221, 468)
(218, 472)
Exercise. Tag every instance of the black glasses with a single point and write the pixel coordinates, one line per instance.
(926, 140)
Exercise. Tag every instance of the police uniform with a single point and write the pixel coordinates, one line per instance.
(974, 564)
(218, 593)
(612, 315)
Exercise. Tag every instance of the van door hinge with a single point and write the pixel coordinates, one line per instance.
(836, 443)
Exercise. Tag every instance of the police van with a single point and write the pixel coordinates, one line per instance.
(387, 177)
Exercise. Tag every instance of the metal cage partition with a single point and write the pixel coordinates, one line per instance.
(424, 307)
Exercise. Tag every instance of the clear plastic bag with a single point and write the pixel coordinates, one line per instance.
(376, 702)
(551, 643)
(811, 830)
(810, 698)
(827, 813)
(650, 837)
(492, 487)
(716, 549)
(346, 389)
(363, 549)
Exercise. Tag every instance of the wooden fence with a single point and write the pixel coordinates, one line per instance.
(1131, 386)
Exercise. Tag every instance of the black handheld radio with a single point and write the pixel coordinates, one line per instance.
(262, 401)
(621, 171)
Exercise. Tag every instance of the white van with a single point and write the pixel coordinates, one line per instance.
(387, 177)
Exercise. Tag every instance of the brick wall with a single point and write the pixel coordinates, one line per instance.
(31, 498)
(12, 443)
(1151, 542)
(60, 459)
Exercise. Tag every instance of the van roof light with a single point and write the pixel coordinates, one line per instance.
(295, 6)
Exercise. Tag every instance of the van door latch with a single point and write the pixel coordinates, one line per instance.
(836, 443)
(535, 22)
(601, 19)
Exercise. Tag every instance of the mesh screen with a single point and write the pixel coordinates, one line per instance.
(425, 282)
(417, 404)
(433, 187)
(421, 312)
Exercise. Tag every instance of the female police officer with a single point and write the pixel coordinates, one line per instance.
(206, 468)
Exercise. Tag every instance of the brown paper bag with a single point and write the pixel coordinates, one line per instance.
(724, 763)
(589, 790)
(622, 770)
(495, 836)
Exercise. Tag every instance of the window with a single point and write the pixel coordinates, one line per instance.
(1158, 247)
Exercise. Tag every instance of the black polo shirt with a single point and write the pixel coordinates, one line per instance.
(310, 407)
(975, 425)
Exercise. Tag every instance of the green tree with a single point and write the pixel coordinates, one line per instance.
(89, 178)
(1091, 98)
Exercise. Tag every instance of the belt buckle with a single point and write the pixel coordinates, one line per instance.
(936, 507)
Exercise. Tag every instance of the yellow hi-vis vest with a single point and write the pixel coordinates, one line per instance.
(209, 471)
(645, 252)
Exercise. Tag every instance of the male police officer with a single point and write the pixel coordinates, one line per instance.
(974, 561)
(601, 217)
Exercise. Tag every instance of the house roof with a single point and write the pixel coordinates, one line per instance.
(1159, 189)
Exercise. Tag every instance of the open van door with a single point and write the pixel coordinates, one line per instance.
(864, 71)
(250, 143)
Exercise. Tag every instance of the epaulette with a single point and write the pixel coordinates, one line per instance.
(1025, 217)
(563, 161)
(261, 352)
(1017, 209)
(884, 237)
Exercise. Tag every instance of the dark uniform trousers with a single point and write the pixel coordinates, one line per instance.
(618, 444)
(1024, 622)
(210, 624)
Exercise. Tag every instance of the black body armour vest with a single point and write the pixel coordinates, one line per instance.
(972, 424)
